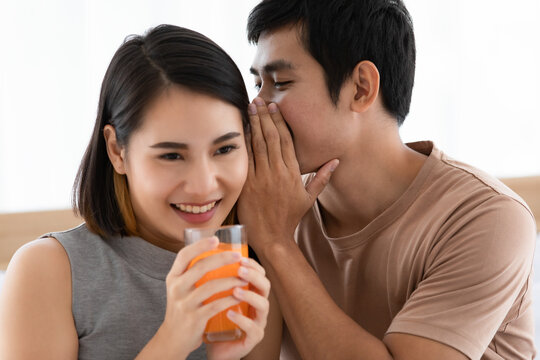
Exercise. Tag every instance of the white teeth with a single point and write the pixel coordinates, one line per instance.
(194, 209)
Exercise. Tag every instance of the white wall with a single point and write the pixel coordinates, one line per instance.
(477, 88)
(476, 92)
(54, 55)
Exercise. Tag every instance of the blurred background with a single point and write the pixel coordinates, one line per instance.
(476, 94)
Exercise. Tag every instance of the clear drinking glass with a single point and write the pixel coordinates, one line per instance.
(231, 238)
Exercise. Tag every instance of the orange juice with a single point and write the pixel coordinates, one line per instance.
(219, 327)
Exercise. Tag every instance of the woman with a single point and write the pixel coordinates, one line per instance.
(167, 152)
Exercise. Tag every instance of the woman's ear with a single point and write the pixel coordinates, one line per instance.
(366, 81)
(114, 150)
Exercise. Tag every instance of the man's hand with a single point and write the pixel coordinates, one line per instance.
(274, 198)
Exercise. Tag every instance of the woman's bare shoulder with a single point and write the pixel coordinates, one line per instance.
(42, 257)
(35, 302)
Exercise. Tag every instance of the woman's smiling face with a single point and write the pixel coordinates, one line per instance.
(185, 166)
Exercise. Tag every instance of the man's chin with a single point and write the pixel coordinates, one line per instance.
(309, 165)
(308, 168)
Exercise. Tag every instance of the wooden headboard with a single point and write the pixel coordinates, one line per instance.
(16, 229)
(529, 189)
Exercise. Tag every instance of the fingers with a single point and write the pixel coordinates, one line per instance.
(205, 312)
(182, 283)
(270, 133)
(212, 262)
(258, 144)
(216, 286)
(257, 302)
(321, 179)
(254, 273)
(249, 262)
(251, 161)
(254, 329)
(287, 145)
(188, 253)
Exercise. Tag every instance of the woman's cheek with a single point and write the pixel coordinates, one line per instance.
(238, 171)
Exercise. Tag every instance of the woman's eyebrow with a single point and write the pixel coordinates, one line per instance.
(183, 146)
(227, 136)
(169, 145)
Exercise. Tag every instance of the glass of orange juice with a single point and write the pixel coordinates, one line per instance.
(231, 238)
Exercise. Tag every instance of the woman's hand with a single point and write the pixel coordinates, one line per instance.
(253, 326)
(186, 316)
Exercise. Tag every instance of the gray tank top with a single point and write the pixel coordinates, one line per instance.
(119, 294)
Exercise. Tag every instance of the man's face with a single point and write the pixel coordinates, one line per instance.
(286, 74)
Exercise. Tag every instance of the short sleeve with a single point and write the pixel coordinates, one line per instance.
(473, 277)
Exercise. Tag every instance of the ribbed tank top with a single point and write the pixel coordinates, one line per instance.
(118, 293)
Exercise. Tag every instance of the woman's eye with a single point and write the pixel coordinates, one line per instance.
(171, 156)
(226, 149)
(257, 86)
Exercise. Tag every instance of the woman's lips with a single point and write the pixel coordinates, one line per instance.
(196, 209)
(196, 214)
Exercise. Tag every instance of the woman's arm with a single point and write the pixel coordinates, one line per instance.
(35, 304)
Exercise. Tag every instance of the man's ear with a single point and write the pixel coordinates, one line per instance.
(366, 80)
(114, 150)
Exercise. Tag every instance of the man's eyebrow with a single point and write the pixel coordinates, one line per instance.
(182, 146)
(273, 67)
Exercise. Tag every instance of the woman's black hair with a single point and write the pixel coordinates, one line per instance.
(139, 70)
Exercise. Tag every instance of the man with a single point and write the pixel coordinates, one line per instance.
(404, 252)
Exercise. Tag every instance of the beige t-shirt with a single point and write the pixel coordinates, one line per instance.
(450, 260)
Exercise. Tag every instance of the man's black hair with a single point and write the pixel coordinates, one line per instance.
(341, 33)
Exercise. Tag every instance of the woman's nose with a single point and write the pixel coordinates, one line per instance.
(201, 179)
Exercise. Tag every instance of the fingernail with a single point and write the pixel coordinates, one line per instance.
(258, 101)
(244, 261)
(239, 292)
(213, 241)
(334, 165)
(231, 314)
(252, 109)
(242, 271)
(272, 108)
(236, 255)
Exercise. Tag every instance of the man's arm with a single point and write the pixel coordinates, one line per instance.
(320, 329)
(269, 347)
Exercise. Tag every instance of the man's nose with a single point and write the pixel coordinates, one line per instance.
(265, 94)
